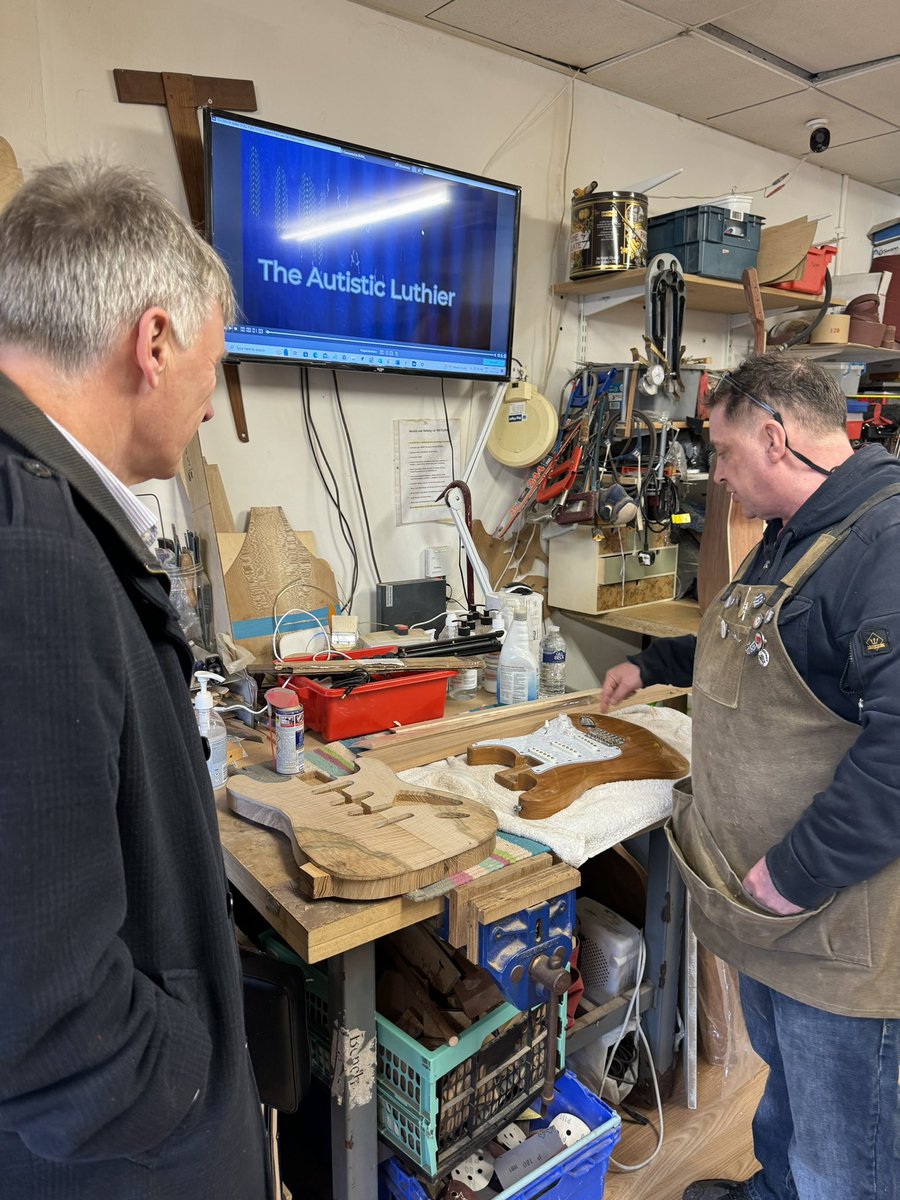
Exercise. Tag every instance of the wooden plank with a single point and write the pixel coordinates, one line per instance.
(422, 951)
(223, 518)
(459, 899)
(704, 295)
(728, 537)
(181, 107)
(271, 565)
(193, 477)
(146, 87)
(664, 618)
(544, 885)
(236, 400)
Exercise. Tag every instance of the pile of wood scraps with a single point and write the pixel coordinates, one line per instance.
(429, 991)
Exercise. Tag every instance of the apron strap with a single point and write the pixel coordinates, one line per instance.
(826, 543)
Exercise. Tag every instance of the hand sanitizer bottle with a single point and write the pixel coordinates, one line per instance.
(211, 727)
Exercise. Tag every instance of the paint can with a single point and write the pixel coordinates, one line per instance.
(609, 233)
(287, 730)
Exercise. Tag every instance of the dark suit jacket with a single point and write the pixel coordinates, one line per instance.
(124, 1073)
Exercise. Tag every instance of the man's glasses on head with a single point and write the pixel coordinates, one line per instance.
(728, 381)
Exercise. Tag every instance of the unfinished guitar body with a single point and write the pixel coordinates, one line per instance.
(369, 835)
(563, 757)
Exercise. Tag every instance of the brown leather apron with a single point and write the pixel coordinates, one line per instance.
(763, 746)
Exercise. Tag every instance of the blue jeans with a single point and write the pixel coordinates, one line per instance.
(828, 1124)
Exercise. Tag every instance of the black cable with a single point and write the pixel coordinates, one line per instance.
(459, 554)
(312, 436)
(803, 335)
(362, 499)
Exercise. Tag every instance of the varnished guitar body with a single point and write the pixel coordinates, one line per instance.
(561, 759)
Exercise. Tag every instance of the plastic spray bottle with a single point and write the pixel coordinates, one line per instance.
(516, 668)
(212, 727)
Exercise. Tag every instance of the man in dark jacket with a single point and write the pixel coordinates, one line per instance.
(124, 1073)
(787, 834)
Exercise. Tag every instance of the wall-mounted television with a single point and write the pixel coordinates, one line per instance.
(347, 257)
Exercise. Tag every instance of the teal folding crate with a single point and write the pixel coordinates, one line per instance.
(434, 1105)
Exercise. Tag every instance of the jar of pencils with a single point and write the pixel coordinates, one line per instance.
(191, 597)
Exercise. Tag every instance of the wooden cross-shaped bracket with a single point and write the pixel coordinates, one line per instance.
(182, 95)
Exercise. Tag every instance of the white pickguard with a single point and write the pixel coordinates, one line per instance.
(558, 742)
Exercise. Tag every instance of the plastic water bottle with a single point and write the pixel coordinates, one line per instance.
(212, 727)
(516, 669)
(553, 663)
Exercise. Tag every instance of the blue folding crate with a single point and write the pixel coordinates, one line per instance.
(576, 1173)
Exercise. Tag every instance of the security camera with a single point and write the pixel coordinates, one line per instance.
(819, 135)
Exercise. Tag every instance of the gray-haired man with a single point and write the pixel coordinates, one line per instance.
(123, 1066)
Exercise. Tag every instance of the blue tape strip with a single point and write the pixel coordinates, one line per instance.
(265, 626)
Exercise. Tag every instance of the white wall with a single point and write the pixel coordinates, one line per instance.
(340, 69)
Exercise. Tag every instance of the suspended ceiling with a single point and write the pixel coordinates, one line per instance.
(759, 70)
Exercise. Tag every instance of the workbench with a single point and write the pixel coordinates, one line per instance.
(342, 933)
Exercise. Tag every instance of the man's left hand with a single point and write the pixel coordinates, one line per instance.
(758, 883)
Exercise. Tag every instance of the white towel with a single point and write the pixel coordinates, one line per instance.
(599, 819)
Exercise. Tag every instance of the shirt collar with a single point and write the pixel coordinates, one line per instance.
(139, 515)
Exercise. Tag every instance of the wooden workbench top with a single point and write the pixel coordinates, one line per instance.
(259, 861)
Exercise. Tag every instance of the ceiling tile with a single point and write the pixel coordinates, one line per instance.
(876, 91)
(781, 124)
(819, 35)
(692, 12)
(694, 78)
(590, 31)
(872, 160)
(891, 185)
(415, 9)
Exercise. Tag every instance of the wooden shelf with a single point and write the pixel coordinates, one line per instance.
(847, 352)
(662, 618)
(703, 295)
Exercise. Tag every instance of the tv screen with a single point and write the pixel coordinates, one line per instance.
(353, 258)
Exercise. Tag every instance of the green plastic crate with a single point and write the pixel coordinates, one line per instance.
(434, 1106)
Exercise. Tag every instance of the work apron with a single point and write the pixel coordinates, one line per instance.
(763, 746)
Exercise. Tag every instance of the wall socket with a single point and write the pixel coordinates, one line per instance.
(436, 561)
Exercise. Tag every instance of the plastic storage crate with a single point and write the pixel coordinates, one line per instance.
(404, 699)
(433, 1104)
(576, 1173)
(707, 240)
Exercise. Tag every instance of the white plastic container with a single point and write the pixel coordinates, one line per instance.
(516, 668)
(739, 205)
(211, 727)
(610, 946)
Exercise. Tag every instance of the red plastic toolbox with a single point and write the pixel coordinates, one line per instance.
(370, 707)
(813, 279)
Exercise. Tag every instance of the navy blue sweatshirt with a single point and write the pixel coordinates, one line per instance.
(842, 633)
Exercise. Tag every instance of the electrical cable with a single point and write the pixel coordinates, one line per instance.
(314, 440)
(459, 554)
(633, 1007)
(777, 184)
(362, 499)
(553, 340)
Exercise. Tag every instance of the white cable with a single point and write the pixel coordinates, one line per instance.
(632, 1005)
(428, 620)
(290, 612)
(553, 342)
(522, 128)
(256, 712)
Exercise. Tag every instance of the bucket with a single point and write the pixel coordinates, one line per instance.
(609, 233)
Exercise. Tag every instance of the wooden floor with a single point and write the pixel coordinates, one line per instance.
(711, 1141)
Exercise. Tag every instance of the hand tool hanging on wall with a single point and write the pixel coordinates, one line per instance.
(664, 300)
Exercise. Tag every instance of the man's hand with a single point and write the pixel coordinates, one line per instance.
(758, 883)
(619, 683)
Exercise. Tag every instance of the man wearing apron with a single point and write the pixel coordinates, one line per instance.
(787, 834)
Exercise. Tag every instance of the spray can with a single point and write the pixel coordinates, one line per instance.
(287, 730)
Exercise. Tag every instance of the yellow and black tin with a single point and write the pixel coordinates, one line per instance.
(609, 233)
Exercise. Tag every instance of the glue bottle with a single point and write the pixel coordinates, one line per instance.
(211, 727)
(516, 668)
